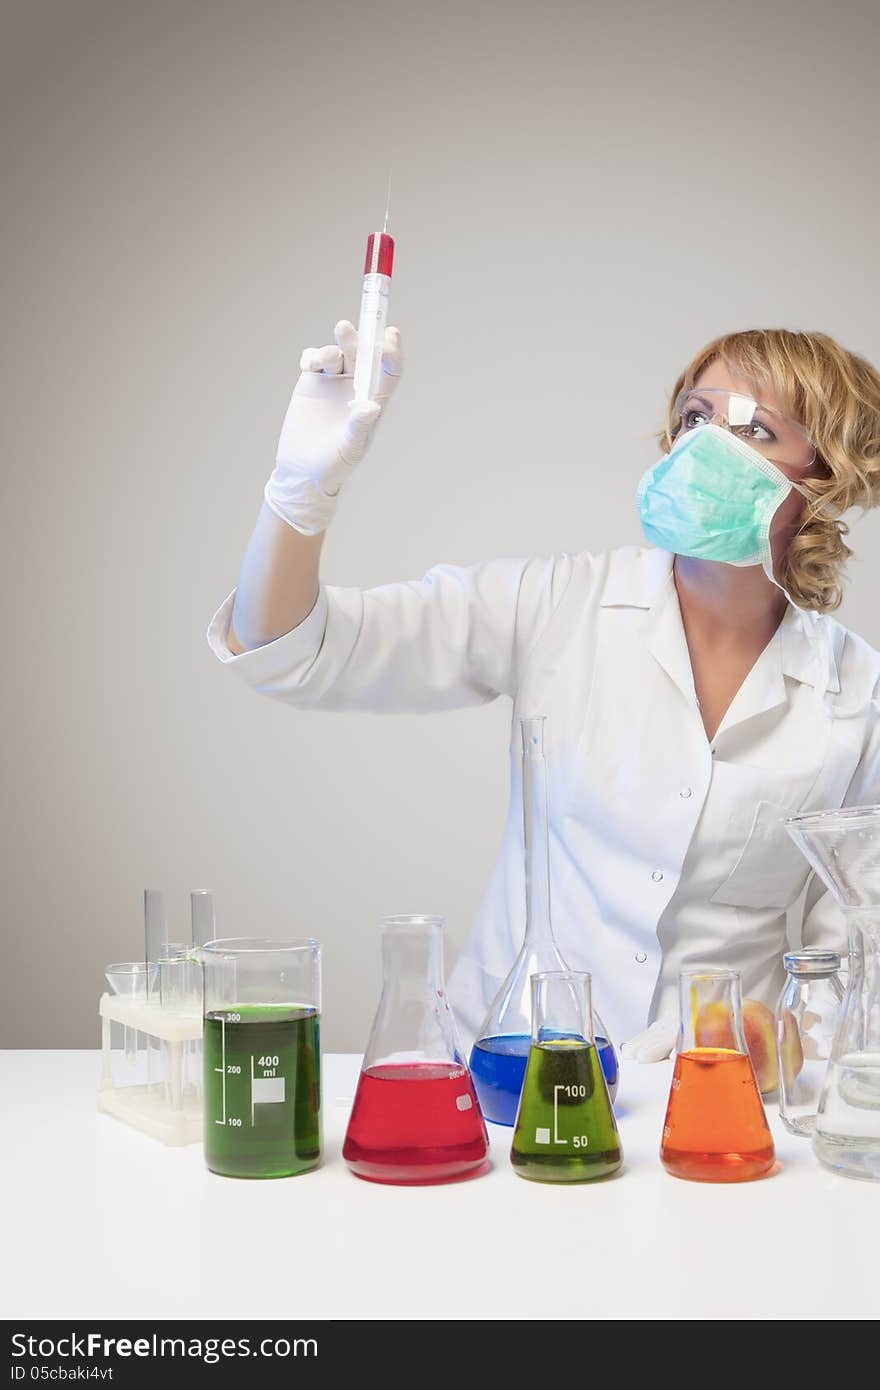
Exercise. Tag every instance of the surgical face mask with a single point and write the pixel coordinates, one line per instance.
(714, 497)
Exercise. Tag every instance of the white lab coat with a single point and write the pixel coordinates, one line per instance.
(666, 850)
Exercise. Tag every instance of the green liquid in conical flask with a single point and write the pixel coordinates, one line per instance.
(565, 1128)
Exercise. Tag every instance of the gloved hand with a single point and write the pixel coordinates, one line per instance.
(655, 1044)
(324, 433)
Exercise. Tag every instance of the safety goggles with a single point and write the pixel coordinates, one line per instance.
(779, 438)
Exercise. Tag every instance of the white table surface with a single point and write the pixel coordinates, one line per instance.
(100, 1221)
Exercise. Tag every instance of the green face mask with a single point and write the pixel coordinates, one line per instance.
(713, 497)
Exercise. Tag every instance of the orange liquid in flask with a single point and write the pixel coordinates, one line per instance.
(715, 1128)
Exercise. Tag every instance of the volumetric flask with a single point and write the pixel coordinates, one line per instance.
(715, 1128)
(416, 1117)
(565, 1127)
(844, 849)
(498, 1057)
(262, 1057)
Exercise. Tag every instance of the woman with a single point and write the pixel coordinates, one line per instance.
(696, 693)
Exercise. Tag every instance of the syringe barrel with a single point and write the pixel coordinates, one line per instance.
(373, 316)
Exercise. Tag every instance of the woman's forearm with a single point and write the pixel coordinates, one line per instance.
(278, 584)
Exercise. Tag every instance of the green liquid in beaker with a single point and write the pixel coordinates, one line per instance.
(565, 1127)
(262, 1090)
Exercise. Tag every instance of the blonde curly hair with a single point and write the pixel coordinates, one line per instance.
(835, 395)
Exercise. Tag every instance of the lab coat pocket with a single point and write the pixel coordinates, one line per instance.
(770, 871)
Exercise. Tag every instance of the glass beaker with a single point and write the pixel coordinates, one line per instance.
(262, 1057)
(565, 1127)
(715, 1128)
(844, 848)
(499, 1055)
(416, 1117)
(806, 1020)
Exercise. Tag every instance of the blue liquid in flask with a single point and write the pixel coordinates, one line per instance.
(498, 1069)
(610, 1068)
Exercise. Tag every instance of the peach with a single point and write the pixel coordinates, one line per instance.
(714, 1028)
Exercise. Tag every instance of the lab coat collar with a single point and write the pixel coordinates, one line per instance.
(799, 641)
(642, 578)
(636, 577)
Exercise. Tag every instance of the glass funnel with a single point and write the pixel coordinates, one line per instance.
(715, 1128)
(565, 1127)
(499, 1056)
(844, 849)
(416, 1117)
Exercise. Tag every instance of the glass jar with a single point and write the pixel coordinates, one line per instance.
(806, 1017)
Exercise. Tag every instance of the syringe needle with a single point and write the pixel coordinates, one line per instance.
(387, 202)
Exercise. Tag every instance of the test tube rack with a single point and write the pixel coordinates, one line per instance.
(163, 1050)
(152, 1079)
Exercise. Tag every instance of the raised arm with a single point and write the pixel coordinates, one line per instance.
(324, 437)
(453, 638)
(457, 637)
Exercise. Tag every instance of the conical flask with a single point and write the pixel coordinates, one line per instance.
(498, 1057)
(565, 1127)
(416, 1117)
(715, 1128)
(844, 849)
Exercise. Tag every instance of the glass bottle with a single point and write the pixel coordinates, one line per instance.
(416, 1117)
(844, 849)
(565, 1127)
(715, 1128)
(498, 1057)
(262, 1079)
(806, 1017)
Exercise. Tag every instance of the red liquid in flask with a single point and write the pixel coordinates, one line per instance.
(715, 1129)
(417, 1122)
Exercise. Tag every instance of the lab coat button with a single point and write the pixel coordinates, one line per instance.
(657, 875)
(686, 792)
(641, 957)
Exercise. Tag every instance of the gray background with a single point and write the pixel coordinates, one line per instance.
(583, 195)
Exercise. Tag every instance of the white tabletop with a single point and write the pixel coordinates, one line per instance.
(101, 1221)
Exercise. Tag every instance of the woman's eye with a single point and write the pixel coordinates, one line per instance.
(692, 418)
(756, 430)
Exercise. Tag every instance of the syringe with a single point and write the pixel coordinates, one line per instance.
(374, 310)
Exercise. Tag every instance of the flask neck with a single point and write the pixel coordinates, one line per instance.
(863, 932)
(413, 1023)
(711, 1011)
(561, 1007)
(860, 1028)
(412, 957)
(536, 834)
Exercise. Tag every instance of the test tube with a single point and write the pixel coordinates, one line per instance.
(155, 933)
(202, 908)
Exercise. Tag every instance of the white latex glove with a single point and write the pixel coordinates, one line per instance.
(325, 435)
(655, 1044)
